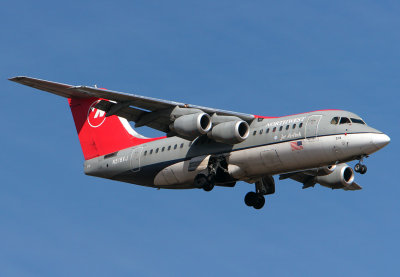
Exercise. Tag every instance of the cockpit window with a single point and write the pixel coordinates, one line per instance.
(344, 120)
(335, 120)
(357, 121)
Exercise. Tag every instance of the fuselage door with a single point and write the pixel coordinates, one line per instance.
(312, 127)
(135, 159)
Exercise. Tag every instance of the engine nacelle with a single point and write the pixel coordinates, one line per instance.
(341, 177)
(192, 125)
(230, 132)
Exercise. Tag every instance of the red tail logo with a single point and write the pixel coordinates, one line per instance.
(95, 116)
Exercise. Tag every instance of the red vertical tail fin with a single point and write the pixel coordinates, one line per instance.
(100, 135)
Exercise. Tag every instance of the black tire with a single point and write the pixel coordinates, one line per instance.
(363, 169)
(260, 202)
(358, 167)
(208, 186)
(250, 199)
(200, 181)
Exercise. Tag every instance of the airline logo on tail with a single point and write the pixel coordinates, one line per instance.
(95, 116)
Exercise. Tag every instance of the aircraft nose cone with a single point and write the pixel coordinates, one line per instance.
(380, 140)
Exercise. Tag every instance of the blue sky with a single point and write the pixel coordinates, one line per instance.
(264, 57)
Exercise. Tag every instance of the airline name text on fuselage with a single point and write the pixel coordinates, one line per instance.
(284, 122)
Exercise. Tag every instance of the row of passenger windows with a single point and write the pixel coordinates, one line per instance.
(346, 120)
(275, 128)
(163, 149)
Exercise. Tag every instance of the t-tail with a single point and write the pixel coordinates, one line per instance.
(100, 134)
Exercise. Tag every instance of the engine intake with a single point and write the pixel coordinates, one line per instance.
(231, 132)
(341, 177)
(192, 125)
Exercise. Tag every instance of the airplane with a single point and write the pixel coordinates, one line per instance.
(206, 147)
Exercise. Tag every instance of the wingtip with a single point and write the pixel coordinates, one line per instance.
(16, 78)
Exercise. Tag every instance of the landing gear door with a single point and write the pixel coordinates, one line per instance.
(135, 159)
(312, 127)
(198, 163)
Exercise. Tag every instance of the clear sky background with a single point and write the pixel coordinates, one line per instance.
(269, 58)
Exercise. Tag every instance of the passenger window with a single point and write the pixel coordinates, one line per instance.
(151, 151)
(145, 153)
(169, 147)
(261, 131)
(157, 150)
(287, 127)
(344, 120)
(300, 125)
(280, 128)
(182, 145)
(273, 130)
(175, 146)
(267, 131)
(358, 121)
(335, 120)
(162, 149)
(254, 133)
(294, 126)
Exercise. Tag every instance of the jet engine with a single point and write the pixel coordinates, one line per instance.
(192, 125)
(230, 132)
(341, 177)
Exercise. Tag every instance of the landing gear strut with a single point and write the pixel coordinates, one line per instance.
(360, 168)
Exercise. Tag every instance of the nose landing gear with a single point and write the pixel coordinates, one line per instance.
(361, 168)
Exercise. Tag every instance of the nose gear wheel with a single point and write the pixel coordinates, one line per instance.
(359, 167)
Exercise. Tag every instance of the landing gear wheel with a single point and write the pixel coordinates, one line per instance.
(260, 202)
(203, 182)
(254, 200)
(200, 181)
(363, 169)
(357, 167)
(250, 199)
(208, 186)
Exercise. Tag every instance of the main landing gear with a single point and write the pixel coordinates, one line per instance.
(360, 168)
(216, 172)
(255, 200)
(207, 183)
(264, 186)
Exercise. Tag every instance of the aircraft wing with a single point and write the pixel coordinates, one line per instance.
(145, 111)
